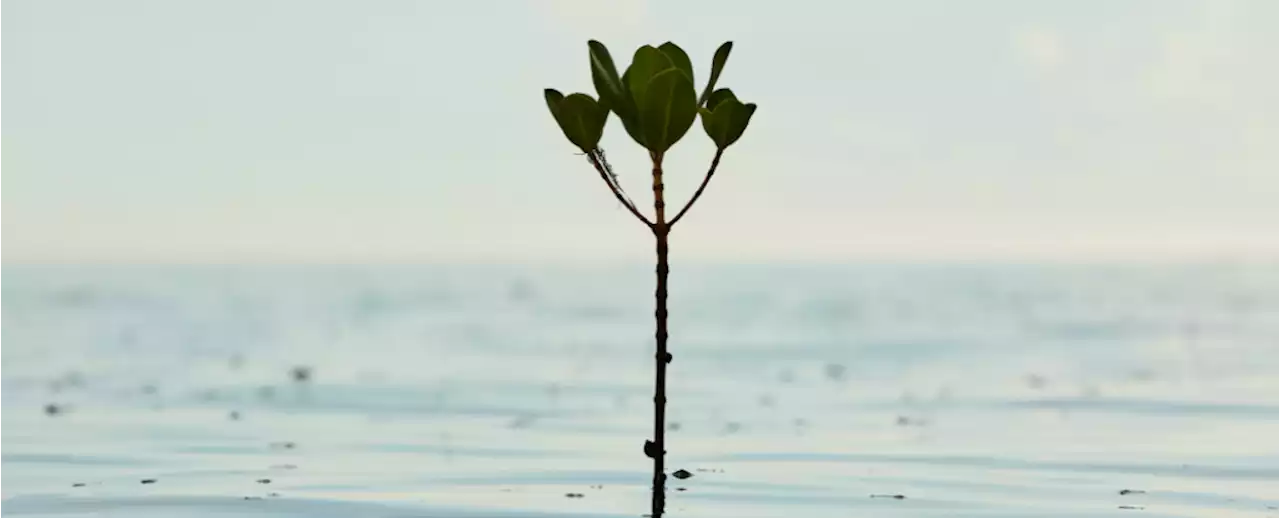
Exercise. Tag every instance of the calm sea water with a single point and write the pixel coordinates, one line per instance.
(969, 390)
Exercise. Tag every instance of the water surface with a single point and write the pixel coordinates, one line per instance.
(968, 390)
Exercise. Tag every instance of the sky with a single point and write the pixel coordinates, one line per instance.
(415, 131)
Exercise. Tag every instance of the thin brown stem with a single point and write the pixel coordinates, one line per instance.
(657, 449)
(622, 198)
(715, 162)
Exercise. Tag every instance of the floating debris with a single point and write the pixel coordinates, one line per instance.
(300, 374)
(680, 489)
(253, 498)
(573, 495)
(283, 445)
(148, 481)
(682, 474)
(1131, 507)
(1132, 492)
(895, 497)
(78, 484)
(52, 409)
(264, 481)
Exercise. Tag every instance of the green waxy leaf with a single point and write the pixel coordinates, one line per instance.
(726, 124)
(580, 117)
(718, 97)
(717, 65)
(678, 58)
(611, 89)
(669, 108)
(554, 97)
(647, 63)
(632, 125)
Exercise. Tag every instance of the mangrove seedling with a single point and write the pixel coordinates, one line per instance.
(656, 101)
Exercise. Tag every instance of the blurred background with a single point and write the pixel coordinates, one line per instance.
(989, 258)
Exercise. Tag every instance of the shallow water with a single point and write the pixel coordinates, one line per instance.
(969, 390)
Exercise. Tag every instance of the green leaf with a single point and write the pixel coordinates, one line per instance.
(580, 117)
(669, 108)
(632, 125)
(647, 63)
(718, 97)
(717, 65)
(678, 58)
(610, 88)
(554, 97)
(726, 124)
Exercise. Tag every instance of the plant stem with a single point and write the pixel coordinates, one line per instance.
(661, 356)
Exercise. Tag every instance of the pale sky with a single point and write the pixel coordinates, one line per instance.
(370, 131)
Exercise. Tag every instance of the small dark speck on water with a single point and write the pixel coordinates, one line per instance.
(1131, 507)
(234, 415)
(1132, 492)
(835, 371)
(148, 481)
(682, 474)
(273, 494)
(52, 409)
(1036, 381)
(78, 484)
(284, 445)
(673, 426)
(253, 498)
(597, 486)
(264, 481)
(573, 495)
(521, 421)
(895, 497)
(301, 374)
(680, 489)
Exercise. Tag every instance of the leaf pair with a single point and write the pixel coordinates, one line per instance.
(580, 117)
(654, 98)
(725, 118)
